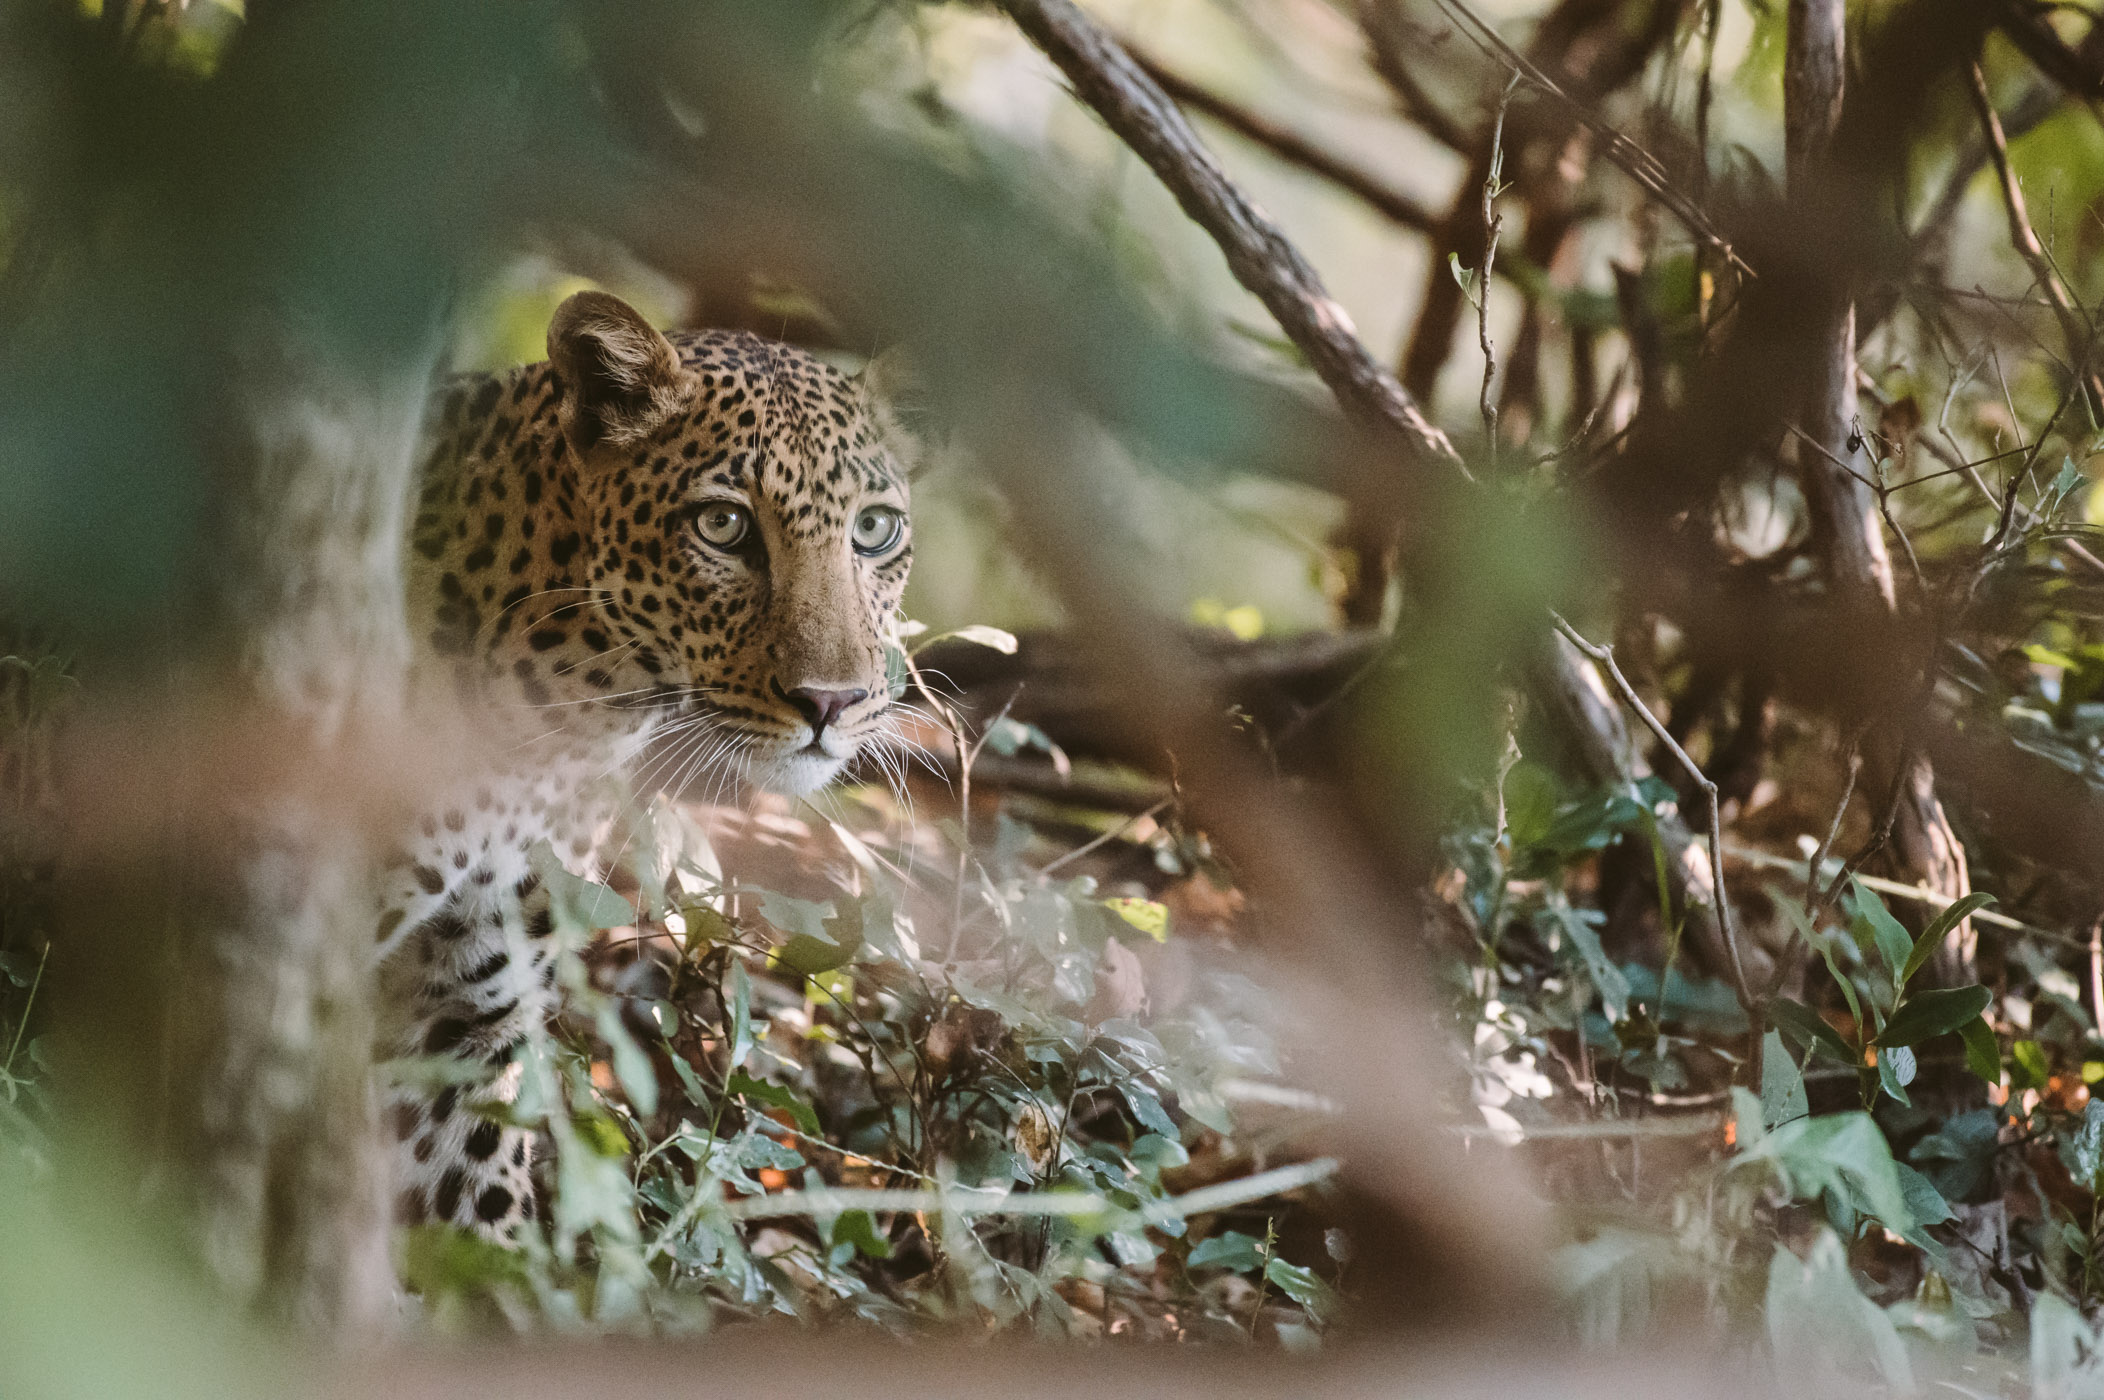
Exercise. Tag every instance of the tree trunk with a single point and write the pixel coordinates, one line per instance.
(1923, 849)
(316, 458)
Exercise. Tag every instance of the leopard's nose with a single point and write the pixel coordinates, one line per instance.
(821, 707)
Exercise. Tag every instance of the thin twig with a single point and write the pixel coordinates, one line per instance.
(1626, 155)
(964, 1200)
(1818, 862)
(2021, 235)
(1604, 657)
(1879, 838)
(27, 1006)
(1105, 839)
(1493, 224)
(1937, 900)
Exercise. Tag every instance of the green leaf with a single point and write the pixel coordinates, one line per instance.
(859, 1228)
(631, 1066)
(1959, 1156)
(1746, 1113)
(1894, 944)
(1811, 1029)
(601, 1133)
(1464, 277)
(796, 917)
(1230, 1249)
(1926, 1015)
(741, 1014)
(1147, 1107)
(579, 905)
(1982, 1056)
(994, 637)
(1154, 1152)
(2083, 1150)
(820, 940)
(689, 1081)
(438, 1260)
(1816, 1316)
(814, 958)
(1607, 979)
(1927, 1203)
(1845, 1155)
(1848, 991)
(1301, 1285)
(2064, 485)
(978, 633)
(2063, 1347)
(1782, 1085)
(1896, 1071)
(2046, 656)
(779, 1096)
(705, 925)
(1932, 937)
(1530, 803)
(2028, 1059)
(1146, 915)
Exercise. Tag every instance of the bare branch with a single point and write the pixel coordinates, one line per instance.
(1604, 657)
(1388, 37)
(1134, 106)
(1292, 147)
(2025, 239)
(1493, 224)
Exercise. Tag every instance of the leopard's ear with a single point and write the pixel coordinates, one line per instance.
(620, 378)
(887, 377)
(885, 385)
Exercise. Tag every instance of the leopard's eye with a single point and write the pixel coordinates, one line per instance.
(878, 530)
(723, 524)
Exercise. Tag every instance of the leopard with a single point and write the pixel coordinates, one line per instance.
(688, 544)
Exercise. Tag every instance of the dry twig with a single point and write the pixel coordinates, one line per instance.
(1604, 656)
(1493, 224)
(2024, 238)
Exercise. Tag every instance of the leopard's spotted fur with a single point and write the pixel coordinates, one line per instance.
(564, 583)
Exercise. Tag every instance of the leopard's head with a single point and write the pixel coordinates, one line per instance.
(745, 512)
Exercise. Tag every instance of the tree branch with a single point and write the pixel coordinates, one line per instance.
(2025, 239)
(1386, 40)
(1134, 107)
(2075, 70)
(1292, 147)
(1604, 657)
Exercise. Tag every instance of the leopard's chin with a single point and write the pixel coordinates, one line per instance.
(796, 772)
